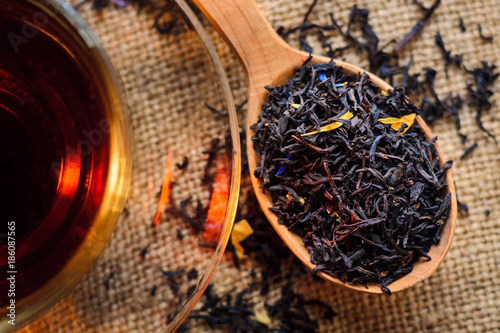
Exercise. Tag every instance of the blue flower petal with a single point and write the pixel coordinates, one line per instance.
(283, 166)
(281, 170)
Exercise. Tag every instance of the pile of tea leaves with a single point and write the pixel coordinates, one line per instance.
(350, 171)
(273, 267)
(362, 39)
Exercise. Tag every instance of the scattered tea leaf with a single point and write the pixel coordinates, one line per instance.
(420, 24)
(468, 151)
(483, 37)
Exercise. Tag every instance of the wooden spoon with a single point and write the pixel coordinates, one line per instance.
(268, 60)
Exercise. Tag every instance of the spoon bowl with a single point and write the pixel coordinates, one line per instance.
(268, 60)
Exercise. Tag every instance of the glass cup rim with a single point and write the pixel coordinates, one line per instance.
(234, 191)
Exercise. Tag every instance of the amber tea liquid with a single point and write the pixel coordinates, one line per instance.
(56, 125)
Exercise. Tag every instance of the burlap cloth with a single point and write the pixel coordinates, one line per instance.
(462, 296)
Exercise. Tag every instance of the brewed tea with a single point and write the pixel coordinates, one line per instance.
(56, 127)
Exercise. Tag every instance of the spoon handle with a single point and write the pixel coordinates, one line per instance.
(244, 27)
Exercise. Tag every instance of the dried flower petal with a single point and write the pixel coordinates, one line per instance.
(330, 127)
(218, 202)
(322, 76)
(165, 190)
(241, 231)
(301, 200)
(396, 123)
(263, 318)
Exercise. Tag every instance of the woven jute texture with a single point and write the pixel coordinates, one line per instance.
(463, 295)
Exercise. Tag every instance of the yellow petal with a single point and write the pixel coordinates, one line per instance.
(348, 115)
(295, 105)
(396, 123)
(338, 218)
(301, 200)
(409, 119)
(310, 133)
(241, 231)
(390, 120)
(263, 318)
(396, 126)
(330, 127)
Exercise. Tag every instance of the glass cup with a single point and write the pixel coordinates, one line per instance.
(65, 174)
(66, 154)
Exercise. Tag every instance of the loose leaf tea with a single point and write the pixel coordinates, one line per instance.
(481, 91)
(483, 37)
(273, 267)
(461, 25)
(420, 24)
(184, 164)
(468, 151)
(386, 65)
(432, 110)
(368, 196)
(456, 59)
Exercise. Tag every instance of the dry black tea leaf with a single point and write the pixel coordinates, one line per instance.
(456, 59)
(420, 24)
(350, 171)
(480, 92)
(461, 25)
(468, 151)
(483, 37)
